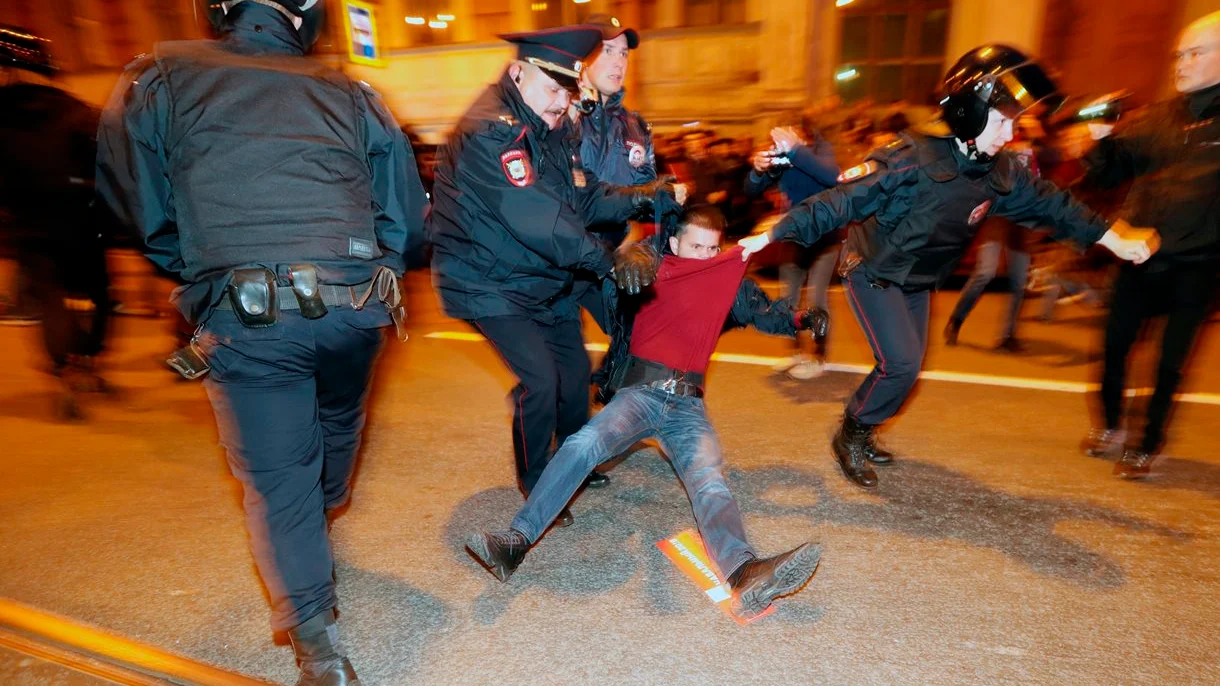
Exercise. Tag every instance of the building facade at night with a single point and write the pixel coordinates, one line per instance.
(735, 65)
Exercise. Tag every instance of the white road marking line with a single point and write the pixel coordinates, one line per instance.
(930, 375)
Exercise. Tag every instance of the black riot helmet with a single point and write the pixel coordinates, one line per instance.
(993, 76)
(24, 50)
(308, 15)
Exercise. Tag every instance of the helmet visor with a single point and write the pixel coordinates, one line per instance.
(1024, 86)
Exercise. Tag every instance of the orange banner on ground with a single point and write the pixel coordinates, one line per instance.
(686, 552)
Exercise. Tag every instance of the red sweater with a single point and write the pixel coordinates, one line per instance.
(680, 325)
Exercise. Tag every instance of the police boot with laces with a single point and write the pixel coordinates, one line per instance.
(1135, 464)
(877, 454)
(499, 551)
(1105, 443)
(757, 583)
(850, 449)
(320, 653)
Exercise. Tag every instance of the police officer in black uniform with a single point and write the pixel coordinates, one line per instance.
(285, 197)
(46, 182)
(919, 202)
(1173, 156)
(509, 235)
(615, 146)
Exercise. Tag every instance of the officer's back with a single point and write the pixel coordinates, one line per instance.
(268, 154)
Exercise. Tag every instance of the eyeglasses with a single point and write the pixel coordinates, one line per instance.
(1194, 53)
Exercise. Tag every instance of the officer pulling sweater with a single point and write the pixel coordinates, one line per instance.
(918, 203)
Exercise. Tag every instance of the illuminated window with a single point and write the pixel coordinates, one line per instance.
(892, 49)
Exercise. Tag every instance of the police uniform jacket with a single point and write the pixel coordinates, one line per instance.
(1173, 155)
(242, 152)
(616, 144)
(510, 209)
(918, 203)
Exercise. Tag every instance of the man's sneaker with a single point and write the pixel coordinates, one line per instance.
(787, 363)
(757, 583)
(1104, 443)
(499, 551)
(1136, 464)
(807, 369)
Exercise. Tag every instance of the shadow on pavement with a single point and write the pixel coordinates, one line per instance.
(616, 528)
(1041, 351)
(1175, 472)
(830, 387)
(385, 616)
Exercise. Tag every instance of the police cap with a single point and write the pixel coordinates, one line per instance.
(612, 28)
(560, 52)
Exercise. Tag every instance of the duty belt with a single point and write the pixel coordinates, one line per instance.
(332, 296)
(641, 372)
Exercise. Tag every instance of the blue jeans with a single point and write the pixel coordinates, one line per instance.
(985, 267)
(681, 425)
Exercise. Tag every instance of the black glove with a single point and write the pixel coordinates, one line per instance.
(815, 320)
(644, 197)
(635, 266)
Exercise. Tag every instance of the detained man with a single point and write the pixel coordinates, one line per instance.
(659, 370)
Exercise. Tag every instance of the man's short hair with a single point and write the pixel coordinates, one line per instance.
(703, 216)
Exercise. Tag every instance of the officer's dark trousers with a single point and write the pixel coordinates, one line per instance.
(289, 403)
(1183, 292)
(896, 326)
(551, 399)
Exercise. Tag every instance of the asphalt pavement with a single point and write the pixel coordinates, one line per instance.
(993, 552)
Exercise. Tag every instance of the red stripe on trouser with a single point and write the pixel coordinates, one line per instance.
(872, 341)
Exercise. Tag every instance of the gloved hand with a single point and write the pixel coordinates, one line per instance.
(815, 320)
(645, 197)
(635, 267)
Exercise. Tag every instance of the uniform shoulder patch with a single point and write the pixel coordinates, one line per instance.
(860, 171)
(517, 168)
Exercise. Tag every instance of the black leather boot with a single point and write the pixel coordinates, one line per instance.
(320, 653)
(877, 454)
(500, 551)
(850, 449)
(757, 583)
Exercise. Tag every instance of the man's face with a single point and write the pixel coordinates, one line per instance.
(542, 93)
(996, 135)
(696, 243)
(609, 68)
(1197, 60)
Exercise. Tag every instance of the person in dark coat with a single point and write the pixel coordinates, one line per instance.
(509, 233)
(285, 198)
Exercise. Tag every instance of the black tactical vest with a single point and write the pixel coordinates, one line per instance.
(266, 157)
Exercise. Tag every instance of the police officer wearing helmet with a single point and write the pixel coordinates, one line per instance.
(1172, 158)
(285, 197)
(509, 235)
(919, 202)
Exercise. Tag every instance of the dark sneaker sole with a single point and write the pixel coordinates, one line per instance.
(788, 578)
(477, 545)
